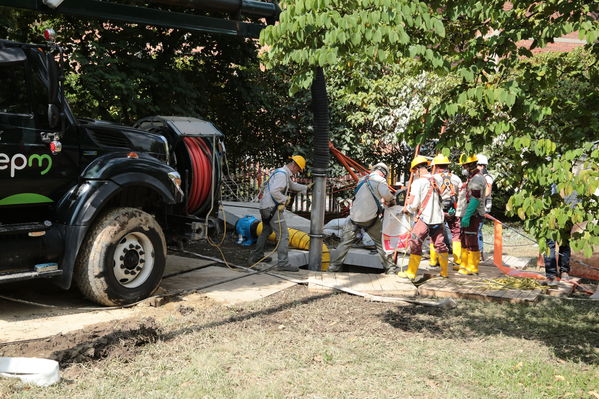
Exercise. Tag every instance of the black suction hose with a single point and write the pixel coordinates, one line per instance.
(320, 108)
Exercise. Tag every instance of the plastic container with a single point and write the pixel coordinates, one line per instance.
(41, 372)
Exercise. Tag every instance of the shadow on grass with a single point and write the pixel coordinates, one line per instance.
(570, 328)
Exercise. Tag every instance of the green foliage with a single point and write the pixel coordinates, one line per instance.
(538, 116)
(560, 150)
(123, 72)
(350, 34)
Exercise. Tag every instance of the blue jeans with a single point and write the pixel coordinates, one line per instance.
(480, 235)
(564, 259)
(447, 234)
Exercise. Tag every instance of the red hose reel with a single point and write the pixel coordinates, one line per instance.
(200, 180)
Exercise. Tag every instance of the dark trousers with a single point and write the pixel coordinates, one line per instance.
(419, 233)
(469, 235)
(551, 262)
(452, 230)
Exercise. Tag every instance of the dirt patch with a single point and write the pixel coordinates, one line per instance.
(233, 252)
(101, 341)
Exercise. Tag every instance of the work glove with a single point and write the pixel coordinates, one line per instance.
(281, 207)
(472, 206)
(451, 212)
(309, 186)
(390, 203)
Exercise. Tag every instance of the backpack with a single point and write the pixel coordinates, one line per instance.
(446, 184)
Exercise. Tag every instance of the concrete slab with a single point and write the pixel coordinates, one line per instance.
(363, 257)
(518, 262)
(375, 284)
(20, 321)
(233, 211)
(246, 289)
(180, 264)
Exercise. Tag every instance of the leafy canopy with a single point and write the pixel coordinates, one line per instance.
(495, 100)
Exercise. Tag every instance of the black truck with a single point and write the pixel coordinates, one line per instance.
(89, 202)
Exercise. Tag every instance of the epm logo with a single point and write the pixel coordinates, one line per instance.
(20, 162)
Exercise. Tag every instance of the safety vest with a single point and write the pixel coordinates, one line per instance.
(432, 188)
(267, 185)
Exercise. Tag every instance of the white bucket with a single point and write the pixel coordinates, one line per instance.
(396, 229)
(41, 372)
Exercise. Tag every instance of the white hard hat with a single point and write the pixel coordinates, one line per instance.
(482, 159)
(383, 167)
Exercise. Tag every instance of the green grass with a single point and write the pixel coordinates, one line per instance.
(297, 345)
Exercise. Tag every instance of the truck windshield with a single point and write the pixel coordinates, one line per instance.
(13, 89)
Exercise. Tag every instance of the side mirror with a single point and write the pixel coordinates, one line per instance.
(53, 116)
(52, 81)
(54, 109)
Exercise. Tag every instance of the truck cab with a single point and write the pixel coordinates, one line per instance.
(91, 202)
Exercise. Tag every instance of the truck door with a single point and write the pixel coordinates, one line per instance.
(32, 179)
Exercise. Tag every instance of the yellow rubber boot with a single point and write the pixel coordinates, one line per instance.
(473, 261)
(412, 267)
(464, 266)
(457, 253)
(434, 257)
(444, 263)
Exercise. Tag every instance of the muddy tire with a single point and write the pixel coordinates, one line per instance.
(122, 259)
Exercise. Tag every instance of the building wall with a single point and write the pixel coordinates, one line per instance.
(564, 44)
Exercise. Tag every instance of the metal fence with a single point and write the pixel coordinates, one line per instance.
(245, 186)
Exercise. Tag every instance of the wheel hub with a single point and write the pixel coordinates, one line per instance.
(133, 259)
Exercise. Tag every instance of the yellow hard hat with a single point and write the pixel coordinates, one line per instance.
(440, 159)
(464, 159)
(300, 161)
(418, 160)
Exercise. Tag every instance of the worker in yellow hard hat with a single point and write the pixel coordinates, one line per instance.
(299, 161)
(471, 210)
(366, 213)
(425, 203)
(275, 196)
(449, 186)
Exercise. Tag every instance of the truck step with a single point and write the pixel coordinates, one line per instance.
(10, 277)
(21, 228)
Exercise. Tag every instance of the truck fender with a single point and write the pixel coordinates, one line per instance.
(143, 170)
(78, 209)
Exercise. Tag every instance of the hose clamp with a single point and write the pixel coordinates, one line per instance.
(320, 172)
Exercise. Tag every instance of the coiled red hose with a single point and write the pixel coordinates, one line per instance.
(201, 172)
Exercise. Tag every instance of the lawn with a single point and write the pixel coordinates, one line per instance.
(297, 344)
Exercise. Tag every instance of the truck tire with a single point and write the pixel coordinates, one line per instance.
(122, 258)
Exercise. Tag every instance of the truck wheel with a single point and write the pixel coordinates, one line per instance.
(122, 259)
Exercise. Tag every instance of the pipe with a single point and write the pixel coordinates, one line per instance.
(236, 7)
(300, 240)
(320, 108)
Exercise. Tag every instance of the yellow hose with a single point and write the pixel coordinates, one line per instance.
(300, 240)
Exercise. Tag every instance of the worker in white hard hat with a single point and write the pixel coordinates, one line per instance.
(366, 213)
(483, 163)
(424, 202)
(449, 186)
(471, 210)
(275, 197)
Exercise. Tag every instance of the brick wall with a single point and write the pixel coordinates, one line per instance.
(563, 44)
